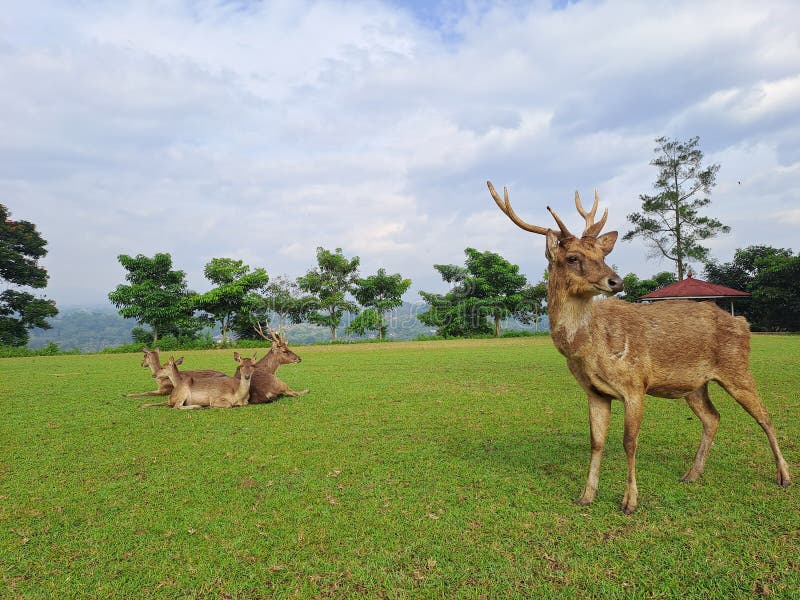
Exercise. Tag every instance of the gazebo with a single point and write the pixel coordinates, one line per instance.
(695, 289)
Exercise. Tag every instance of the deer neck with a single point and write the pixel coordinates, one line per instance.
(269, 363)
(570, 317)
(244, 386)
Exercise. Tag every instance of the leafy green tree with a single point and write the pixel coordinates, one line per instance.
(670, 222)
(235, 282)
(488, 287)
(157, 296)
(533, 304)
(378, 294)
(279, 300)
(21, 246)
(772, 276)
(635, 288)
(328, 286)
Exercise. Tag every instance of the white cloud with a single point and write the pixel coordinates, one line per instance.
(263, 130)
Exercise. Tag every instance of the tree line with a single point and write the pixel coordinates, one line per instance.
(486, 290)
(483, 292)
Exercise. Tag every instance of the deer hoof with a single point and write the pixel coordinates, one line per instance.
(690, 477)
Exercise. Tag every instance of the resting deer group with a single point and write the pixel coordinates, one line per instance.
(205, 387)
(213, 392)
(620, 350)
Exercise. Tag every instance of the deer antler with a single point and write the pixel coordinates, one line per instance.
(592, 228)
(505, 206)
(272, 337)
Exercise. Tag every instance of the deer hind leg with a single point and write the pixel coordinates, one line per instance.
(744, 392)
(633, 421)
(293, 393)
(599, 416)
(151, 404)
(701, 405)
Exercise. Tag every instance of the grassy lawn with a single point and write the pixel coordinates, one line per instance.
(430, 469)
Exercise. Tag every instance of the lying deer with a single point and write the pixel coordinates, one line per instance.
(617, 349)
(266, 387)
(152, 361)
(215, 392)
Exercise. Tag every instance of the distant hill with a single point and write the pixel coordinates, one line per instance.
(96, 328)
(84, 329)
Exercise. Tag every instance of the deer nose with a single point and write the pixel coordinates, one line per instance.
(615, 283)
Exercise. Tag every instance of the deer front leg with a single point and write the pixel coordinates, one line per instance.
(145, 394)
(633, 420)
(599, 416)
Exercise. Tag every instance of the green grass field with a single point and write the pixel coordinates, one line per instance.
(429, 469)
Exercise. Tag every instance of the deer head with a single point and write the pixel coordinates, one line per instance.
(280, 349)
(578, 263)
(246, 365)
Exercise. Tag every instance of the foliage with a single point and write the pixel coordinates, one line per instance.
(379, 294)
(157, 296)
(21, 246)
(237, 288)
(328, 285)
(532, 306)
(412, 470)
(280, 300)
(368, 319)
(635, 288)
(50, 349)
(670, 221)
(772, 276)
(487, 287)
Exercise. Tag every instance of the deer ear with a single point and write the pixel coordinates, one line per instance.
(606, 241)
(551, 246)
(179, 361)
(236, 357)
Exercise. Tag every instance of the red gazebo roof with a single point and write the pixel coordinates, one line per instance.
(693, 288)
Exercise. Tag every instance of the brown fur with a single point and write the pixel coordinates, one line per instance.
(213, 392)
(266, 386)
(152, 361)
(619, 350)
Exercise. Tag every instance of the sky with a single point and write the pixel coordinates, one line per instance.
(261, 130)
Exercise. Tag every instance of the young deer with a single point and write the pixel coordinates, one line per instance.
(152, 361)
(214, 392)
(266, 387)
(617, 349)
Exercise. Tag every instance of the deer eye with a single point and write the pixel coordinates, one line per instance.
(572, 259)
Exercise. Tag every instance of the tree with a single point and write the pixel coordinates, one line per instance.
(533, 306)
(772, 277)
(378, 294)
(487, 287)
(21, 246)
(157, 296)
(280, 298)
(670, 222)
(328, 285)
(635, 288)
(235, 282)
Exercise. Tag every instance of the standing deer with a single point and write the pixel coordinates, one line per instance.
(152, 361)
(617, 349)
(215, 392)
(266, 387)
